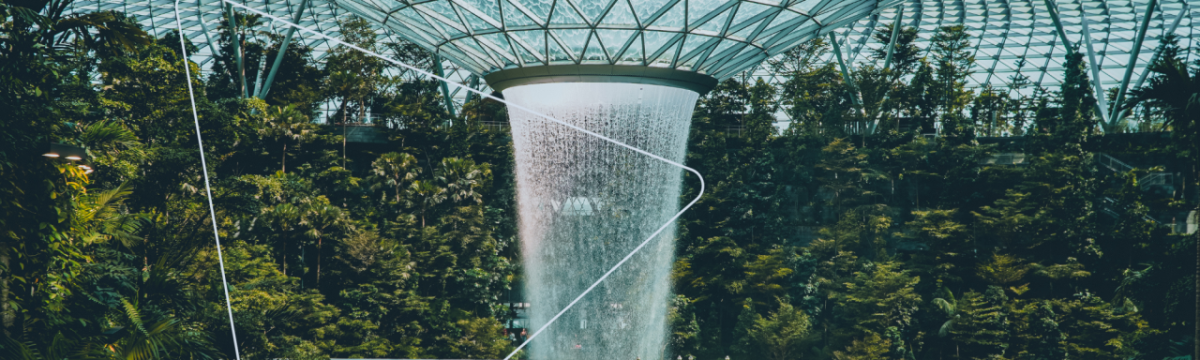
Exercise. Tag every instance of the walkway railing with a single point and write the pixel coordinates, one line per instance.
(1109, 208)
(1113, 164)
(1144, 182)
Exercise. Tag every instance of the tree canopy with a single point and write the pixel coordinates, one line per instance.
(933, 221)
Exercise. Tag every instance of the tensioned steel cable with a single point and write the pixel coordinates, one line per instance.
(187, 70)
(489, 96)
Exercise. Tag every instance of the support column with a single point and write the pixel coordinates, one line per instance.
(237, 52)
(887, 63)
(1158, 51)
(837, 51)
(896, 25)
(1133, 58)
(200, 15)
(473, 82)
(287, 40)
(1052, 9)
(1101, 96)
(1154, 58)
(437, 68)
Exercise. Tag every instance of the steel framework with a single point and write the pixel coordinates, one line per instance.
(1015, 37)
(1008, 31)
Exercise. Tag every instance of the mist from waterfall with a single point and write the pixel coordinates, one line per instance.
(585, 203)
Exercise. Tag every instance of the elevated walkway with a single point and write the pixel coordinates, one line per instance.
(360, 133)
(369, 133)
(1156, 183)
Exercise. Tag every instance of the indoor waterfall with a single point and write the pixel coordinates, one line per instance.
(586, 203)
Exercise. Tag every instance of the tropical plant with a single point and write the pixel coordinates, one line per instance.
(287, 126)
(782, 334)
(1174, 94)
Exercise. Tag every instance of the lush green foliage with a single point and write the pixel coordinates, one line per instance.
(847, 235)
(900, 246)
(402, 249)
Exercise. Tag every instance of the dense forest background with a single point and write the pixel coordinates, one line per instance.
(898, 216)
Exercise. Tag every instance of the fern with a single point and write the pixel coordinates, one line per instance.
(131, 312)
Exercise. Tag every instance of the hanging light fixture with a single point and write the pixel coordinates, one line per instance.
(69, 152)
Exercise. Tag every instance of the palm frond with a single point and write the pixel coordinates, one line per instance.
(135, 317)
(12, 349)
(947, 327)
(107, 134)
(944, 305)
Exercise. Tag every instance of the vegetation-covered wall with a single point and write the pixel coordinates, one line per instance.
(898, 229)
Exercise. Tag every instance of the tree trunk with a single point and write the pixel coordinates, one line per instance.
(344, 119)
(285, 158)
(283, 248)
(362, 109)
(1196, 321)
(343, 142)
(318, 261)
(242, 64)
(303, 265)
(6, 313)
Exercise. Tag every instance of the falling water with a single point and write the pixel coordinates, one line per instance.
(586, 203)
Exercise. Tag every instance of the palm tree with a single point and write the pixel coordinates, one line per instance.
(284, 216)
(246, 47)
(320, 217)
(48, 27)
(106, 135)
(99, 218)
(461, 179)
(353, 75)
(287, 125)
(136, 339)
(1174, 95)
(394, 170)
(427, 195)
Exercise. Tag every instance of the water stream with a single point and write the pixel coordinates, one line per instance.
(585, 203)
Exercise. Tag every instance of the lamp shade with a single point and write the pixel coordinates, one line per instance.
(64, 151)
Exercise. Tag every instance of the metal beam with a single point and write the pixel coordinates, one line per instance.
(287, 40)
(846, 76)
(1158, 51)
(1003, 41)
(855, 95)
(1052, 9)
(983, 31)
(474, 83)
(437, 68)
(896, 25)
(887, 63)
(996, 58)
(1101, 97)
(1046, 64)
(1133, 59)
(237, 53)
(864, 39)
(262, 63)
(200, 14)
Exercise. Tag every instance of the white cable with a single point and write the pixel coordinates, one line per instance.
(187, 69)
(531, 111)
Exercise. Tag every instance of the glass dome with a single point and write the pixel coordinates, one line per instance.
(1018, 38)
(1013, 30)
(717, 38)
